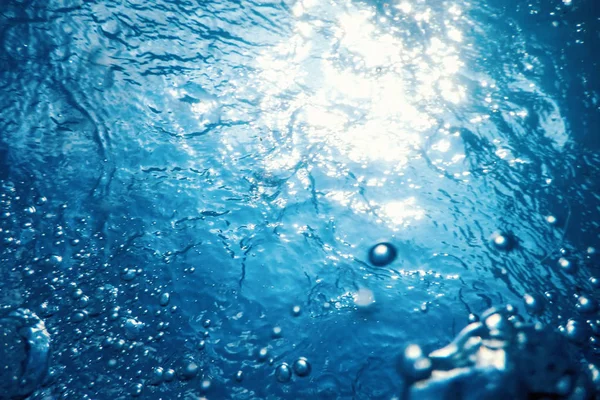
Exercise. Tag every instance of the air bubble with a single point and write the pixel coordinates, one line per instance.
(586, 305)
(79, 316)
(296, 311)
(382, 254)
(169, 375)
(239, 376)
(283, 373)
(136, 389)
(164, 298)
(413, 364)
(263, 354)
(276, 332)
(25, 348)
(83, 301)
(156, 375)
(576, 331)
(189, 370)
(503, 241)
(533, 304)
(302, 367)
(205, 385)
(567, 265)
(133, 328)
(128, 274)
(363, 298)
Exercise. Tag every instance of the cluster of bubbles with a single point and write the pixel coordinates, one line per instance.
(122, 316)
(24, 353)
(301, 368)
(502, 357)
(283, 371)
(499, 355)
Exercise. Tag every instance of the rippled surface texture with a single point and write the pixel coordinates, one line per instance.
(178, 175)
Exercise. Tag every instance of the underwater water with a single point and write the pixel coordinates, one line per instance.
(189, 190)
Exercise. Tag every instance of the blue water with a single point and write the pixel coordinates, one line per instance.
(244, 156)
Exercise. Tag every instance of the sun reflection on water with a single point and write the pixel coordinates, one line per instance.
(357, 86)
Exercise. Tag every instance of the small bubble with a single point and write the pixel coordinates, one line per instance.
(55, 259)
(83, 301)
(189, 370)
(473, 318)
(533, 303)
(498, 324)
(382, 254)
(283, 373)
(128, 274)
(133, 328)
(276, 333)
(586, 305)
(205, 385)
(503, 241)
(136, 390)
(119, 344)
(551, 219)
(112, 363)
(201, 345)
(169, 375)
(156, 375)
(302, 367)
(263, 354)
(239, 376)
(413, 364)
(595, 282)
(79, 316)
(164, 298)
(206, 323)
(566, 265)
(363, 298)
(576, 331)
(296, 311)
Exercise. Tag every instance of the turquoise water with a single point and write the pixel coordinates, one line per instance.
(178, 176)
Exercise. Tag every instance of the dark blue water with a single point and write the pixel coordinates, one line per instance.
(177, 176)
